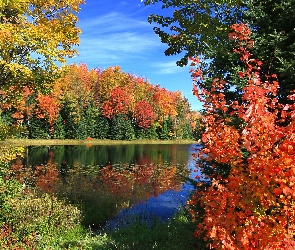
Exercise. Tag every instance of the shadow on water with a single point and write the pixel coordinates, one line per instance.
(113, 185)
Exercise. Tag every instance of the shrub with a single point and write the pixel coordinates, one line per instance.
(30, 222)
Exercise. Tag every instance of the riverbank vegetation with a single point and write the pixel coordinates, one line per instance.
(89, 141)
(41, 221)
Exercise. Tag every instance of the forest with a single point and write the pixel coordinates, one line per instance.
(99, 104)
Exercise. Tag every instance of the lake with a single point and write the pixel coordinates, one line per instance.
(112, 184)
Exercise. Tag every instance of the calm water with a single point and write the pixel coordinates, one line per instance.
(113, 183)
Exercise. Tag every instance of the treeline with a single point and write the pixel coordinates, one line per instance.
(100, 104)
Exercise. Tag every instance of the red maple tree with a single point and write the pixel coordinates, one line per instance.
(143, 113)
(253, 207)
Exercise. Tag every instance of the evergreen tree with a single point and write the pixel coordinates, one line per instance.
(37, 129)
(121, 128)
(165, 132)
(59, 129)
(102, 128)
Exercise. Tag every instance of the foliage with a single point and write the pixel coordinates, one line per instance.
(37, 129)
(165, 131)
(118, 103)
(252, 206)
(35, 36)
(149, 133)
(30, 222)
(109, 79)
(58, 129)
(194, 27)
(273, 32)
(48, 109)
(102, 128)
(121, 128)
(4, 129)
(163, 103)
(200, 28)
(75, 107)
(143, 114)
(39, 220)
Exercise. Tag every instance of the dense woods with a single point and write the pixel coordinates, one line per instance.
(99, 104)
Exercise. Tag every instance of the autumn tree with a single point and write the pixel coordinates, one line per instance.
(252, 206)
(142, 89)
(143, 114)
(109, 79)
(75, 86)
(48, 109)
(201, 27)
(118, 103)
(74, 91)
(163, 103)
(21, 105)
(35, 36)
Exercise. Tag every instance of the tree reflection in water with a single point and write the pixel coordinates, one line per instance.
(104, 190)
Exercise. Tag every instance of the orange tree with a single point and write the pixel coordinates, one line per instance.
(247, 201)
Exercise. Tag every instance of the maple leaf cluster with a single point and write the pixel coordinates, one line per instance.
(253, 206)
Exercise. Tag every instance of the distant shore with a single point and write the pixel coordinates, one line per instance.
(44, 142)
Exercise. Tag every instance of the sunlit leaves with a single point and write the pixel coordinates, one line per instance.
(193, 27)
(163, 102)
(143, 114)
(253, 206)
(80, 99)
(48, 109)
(34, 35)
(109, 79)
(118, 103)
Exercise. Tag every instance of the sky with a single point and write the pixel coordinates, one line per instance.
(118, 33)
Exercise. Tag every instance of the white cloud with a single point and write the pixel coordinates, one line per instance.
(168, 67)
(114, 37)
(111, 22)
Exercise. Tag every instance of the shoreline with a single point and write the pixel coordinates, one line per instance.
(53, 142)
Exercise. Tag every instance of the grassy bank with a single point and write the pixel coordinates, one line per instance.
(42, 142)
(174, 234)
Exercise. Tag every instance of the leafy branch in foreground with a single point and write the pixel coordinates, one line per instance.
(253, 206)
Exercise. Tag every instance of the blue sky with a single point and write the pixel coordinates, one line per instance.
(118, 33)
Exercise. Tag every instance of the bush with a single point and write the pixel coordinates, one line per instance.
(30, 222)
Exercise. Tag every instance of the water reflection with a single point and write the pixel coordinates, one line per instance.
(112, 181)
(162, 206)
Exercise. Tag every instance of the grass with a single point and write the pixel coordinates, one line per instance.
(177, 233)
(41, 142)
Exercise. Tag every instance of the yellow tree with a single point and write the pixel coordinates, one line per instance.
(35, 35)
(109, 79)
(163, 101)
(74, 89)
